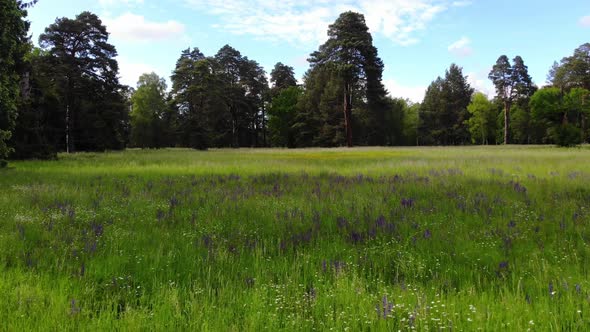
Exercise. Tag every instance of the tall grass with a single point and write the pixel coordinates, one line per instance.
(491, 238)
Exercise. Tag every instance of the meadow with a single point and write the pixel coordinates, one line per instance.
(364, 239)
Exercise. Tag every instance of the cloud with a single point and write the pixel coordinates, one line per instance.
(461, 47)
(135, 28)
(585, 21)
(111, 3)
(413, 93)
(480, 82)
(461, 3)
(130, 71)
(306, 21)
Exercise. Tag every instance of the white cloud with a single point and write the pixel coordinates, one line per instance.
(130, 71)
(480, 82)
(111, 3)
(461, 3)
(461, 47)
(585, 21)
(306, 21)
(135, 28)
(396, 90)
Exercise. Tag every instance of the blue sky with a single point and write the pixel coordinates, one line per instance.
(417, 39)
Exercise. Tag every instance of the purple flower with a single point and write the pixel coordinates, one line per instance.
(341, 222)
(384, 308)
(519, 188)
(160, 215)
(427, 234)
(407, 202)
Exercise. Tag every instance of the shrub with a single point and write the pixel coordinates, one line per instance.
(567, 135)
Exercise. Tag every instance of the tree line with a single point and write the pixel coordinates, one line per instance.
(65, 95)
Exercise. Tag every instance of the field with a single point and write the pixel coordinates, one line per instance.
(493, 238)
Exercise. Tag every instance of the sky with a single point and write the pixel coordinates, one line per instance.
(416, 39)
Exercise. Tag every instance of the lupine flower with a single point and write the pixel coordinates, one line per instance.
(384, 308)
(407, 202)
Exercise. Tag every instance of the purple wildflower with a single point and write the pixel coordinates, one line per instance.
(407, 202)
(384, 308)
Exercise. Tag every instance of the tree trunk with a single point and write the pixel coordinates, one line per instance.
(264, 126)
(348, 114)
(507, 106)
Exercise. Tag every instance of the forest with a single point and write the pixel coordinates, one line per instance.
(65, 96)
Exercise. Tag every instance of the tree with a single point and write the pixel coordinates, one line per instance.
(410, 123)
(573, 71)
(86, 73)
(350, 54)
(560, 113)
(149, 107)
(193, 88)
(443, 113)
(244, 83)
(455, 115)
(482, 123)
(36, 128)
(394, 121)
(428, 124)
(282, 117)
(282, 77)
(512, 83)
(13, 46)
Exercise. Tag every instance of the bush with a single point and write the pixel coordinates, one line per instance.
(3, 163)
(567, 135)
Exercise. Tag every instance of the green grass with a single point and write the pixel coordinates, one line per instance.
(491, 238)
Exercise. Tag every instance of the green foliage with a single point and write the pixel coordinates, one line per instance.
(282, 77)
(562, 113)
(483, 120)
(394, 121)
(149, 107)
(566, 135)
(13, 46)
(443, 113)
(351, 63)
(513, 84)
(37, 134)
(410, 124)
(85, 71)
(572, 71)
(220, 100)
(4, 148)
(282, 114)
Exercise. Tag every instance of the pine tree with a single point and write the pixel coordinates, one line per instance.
(349, 53)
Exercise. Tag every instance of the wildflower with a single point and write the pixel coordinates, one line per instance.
(407, 202)
(385, 308)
